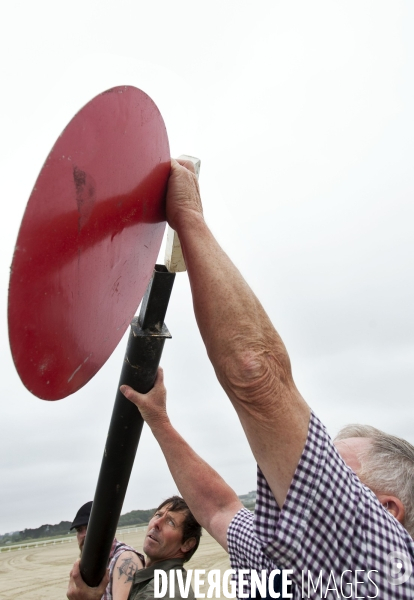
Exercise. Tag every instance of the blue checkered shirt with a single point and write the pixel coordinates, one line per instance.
(332, 531)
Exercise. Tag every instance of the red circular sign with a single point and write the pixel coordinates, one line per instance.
(88, 242)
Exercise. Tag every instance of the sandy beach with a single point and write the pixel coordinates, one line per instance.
(42, 573)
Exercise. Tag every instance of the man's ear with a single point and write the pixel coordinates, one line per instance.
(393, 505)
(188, 544)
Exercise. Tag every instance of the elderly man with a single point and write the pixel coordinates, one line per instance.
(172, 537)
(313, 515)
(123, 561)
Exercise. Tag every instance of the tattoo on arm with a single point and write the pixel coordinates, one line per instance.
(128, 567)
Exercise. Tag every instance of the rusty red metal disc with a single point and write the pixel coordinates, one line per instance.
(88, 242)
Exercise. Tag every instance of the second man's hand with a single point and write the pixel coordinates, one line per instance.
(152, 405)
(212, 502)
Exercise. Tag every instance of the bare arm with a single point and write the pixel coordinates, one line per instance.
(78, 590)
(249, 357)
(125, 568)
(212, 502)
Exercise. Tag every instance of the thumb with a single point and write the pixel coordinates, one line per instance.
(130, 394)
(188, 164)
(135, 396)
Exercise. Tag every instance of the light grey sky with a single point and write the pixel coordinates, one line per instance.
(301, 113)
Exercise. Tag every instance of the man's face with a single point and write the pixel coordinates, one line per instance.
(80, 535)
(164, 538)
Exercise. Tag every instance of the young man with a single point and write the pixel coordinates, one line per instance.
(172, 537)
(123, 562)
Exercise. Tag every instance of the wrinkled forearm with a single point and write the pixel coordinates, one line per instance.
(248, 355)
(239, 336)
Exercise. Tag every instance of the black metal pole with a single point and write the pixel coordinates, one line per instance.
(143, 354)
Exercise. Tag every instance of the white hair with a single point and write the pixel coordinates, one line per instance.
(387, 466)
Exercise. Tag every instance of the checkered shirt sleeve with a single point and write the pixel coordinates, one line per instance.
(330, 522)
(244, 546)
(245, 549)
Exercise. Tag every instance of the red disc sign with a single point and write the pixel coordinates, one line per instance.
(88, 242)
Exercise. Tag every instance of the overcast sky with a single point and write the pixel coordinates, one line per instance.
(302, 115)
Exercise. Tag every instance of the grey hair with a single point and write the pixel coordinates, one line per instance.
(387, 466)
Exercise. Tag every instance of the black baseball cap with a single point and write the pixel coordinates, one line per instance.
(82, 516)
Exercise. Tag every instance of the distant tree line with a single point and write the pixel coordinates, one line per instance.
(134, 517)
(249, 500)
(33, 534)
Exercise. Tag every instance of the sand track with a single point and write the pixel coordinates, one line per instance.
(42, 573)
